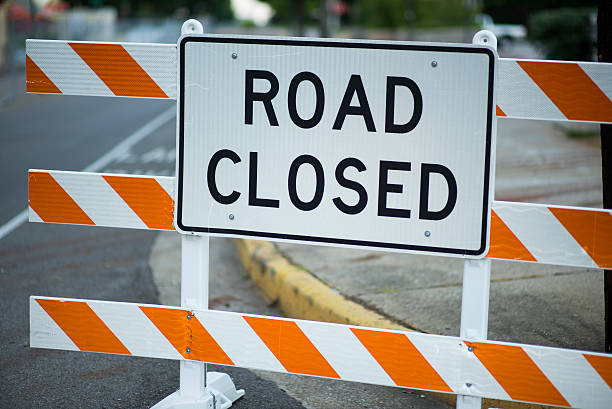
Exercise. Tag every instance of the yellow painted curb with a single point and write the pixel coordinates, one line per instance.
(301, 295)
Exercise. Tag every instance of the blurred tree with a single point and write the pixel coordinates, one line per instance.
(295, 12)
(382, 13)
(563, 33)
(417, 13)
(220, 10)
(378, 13)
(435, 13)
(518, 11)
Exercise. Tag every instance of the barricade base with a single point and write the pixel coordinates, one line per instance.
(220, 393)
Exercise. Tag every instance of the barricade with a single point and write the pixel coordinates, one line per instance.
(468, 365)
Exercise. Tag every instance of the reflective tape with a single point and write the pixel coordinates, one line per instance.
(101, 69)
(529, 89)
(488, 369)
(138, 202)
(554, 90)
(568, 236)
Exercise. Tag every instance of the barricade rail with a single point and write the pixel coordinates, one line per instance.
(506, 371)
(527, 89)
(545, 234)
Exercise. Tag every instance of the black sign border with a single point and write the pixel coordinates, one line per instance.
(338, 44)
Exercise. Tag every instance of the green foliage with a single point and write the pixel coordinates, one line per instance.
(220, 10)
(413, 13)
(286, 11)
(382, 13)
(437, 13)
(518, 11)
(563, 34)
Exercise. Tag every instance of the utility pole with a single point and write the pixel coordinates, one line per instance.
(604, 54)
(323, 18)
(299, 17)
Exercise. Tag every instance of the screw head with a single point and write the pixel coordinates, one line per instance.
(234, 56)
(434, 64)
(471, 349)
(427, 233)
(188, 350)
(188, 316)
(231, 216)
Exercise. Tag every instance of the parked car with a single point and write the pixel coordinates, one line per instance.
(504, 32)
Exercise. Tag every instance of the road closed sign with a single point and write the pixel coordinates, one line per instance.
(368, 144)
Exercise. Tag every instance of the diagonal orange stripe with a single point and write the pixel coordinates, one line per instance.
(504, 244)
(517, 374)
(603, 366)
(570, 89)
(401, 360)
(591, 229)
(146, 198)
(37, 80)
(118, 70)
(499, 112)
(83, 326)
(186, 333)
(52, 203)
(291, 347)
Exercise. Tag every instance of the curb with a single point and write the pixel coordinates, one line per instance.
(301, 295)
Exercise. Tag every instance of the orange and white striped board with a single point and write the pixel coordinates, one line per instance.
(529, 89)
(101, 69)
(526, 373)
(555, 90)
(568, 236)
(96, 199)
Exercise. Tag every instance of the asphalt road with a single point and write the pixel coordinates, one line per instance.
(70, 133)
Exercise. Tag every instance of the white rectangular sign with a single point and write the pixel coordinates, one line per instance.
(376, 144)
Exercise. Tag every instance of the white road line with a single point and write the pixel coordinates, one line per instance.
(132, 140)
(12, 224)
(103, 161)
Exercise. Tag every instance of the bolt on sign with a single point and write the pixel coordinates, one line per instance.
(358, 143)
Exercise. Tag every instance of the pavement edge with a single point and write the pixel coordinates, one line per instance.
(301, 295)
(298, 292)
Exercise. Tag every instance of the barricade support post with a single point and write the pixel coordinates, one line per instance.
(474, 314)
(198, 388)
(476, 281)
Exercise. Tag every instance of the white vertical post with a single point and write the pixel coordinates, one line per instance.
(194, 280)
(194, 295)
(474, 313)
(476, 276)
(475, 299)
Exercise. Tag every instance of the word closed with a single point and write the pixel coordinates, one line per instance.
(309, 204)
